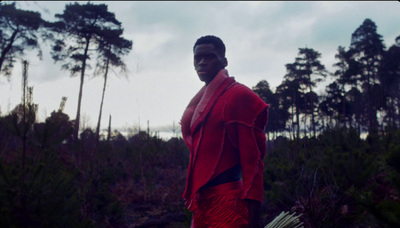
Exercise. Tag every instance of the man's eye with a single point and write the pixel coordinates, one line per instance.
(205, 57)
(209, 56)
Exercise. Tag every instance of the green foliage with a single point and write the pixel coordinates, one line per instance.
(336, 179)
(278, 111)
(42, 195)
(53, 131)
(19, 30)
(78, 183)
(90, 29)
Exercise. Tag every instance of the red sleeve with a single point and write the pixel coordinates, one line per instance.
(245, 128)
(250, 142)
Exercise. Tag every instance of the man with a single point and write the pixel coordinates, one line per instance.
(223, 126)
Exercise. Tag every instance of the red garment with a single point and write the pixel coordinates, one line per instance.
(223, 126)
(220, 207)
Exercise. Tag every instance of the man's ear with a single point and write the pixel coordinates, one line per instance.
(225, 62)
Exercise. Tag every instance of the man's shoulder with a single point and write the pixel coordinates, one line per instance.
(241, 97)
(241, 91)
(242, 104)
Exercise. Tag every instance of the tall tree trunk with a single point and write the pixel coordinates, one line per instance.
(305, 125)
(298, 122)
(372, 119)
(293, 131)
(78, 112)
(297, 115)
(398, 112)
(102, 100)
(312, 109)
(25, 122)
(343, 120)
(7, 49)
(109, 129)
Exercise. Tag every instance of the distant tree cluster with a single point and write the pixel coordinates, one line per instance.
(364, 95)
(19, 30)
(335, 180)
(50, 179)
(325, 171)
(83, 33)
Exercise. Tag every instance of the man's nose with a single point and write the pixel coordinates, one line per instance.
(202, 61)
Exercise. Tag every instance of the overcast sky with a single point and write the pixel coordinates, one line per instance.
(260, 37)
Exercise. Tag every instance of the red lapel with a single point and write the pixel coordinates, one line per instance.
(202, 103)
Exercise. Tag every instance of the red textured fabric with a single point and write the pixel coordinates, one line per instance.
(223, 126)
(220, 207)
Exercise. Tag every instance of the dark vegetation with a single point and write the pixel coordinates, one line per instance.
(335, 179)
(56, 181)
(333, 157)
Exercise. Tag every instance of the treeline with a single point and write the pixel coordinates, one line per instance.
(335, 180)
(365, 92)
(333, 157)
(82, 35)
(50, 179)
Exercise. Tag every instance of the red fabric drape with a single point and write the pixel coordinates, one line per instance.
(220, 207)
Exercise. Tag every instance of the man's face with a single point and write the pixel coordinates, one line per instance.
(208, 62)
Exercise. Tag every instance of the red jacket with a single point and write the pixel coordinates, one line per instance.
(223, 125)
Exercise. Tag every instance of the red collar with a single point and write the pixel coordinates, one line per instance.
(202, 103)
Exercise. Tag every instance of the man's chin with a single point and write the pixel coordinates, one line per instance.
(206, 77)
(203, 77)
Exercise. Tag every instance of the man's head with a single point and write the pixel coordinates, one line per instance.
(209, 57)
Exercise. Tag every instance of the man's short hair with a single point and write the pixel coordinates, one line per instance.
(210, 39)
